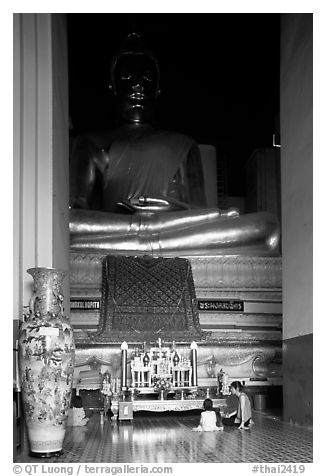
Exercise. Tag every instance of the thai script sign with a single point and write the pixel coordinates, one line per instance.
(220, 305)
(85, 304)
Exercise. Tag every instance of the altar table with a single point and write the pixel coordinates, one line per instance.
(175, 405)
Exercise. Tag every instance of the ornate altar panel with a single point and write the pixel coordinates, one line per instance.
(144, 296)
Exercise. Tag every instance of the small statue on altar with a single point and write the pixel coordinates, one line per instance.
(106, 384)
(222, 381)
(107, 391)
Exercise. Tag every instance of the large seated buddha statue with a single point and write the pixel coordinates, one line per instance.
(139, 190)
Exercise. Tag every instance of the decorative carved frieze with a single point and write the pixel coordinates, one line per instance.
(239, 336)
(209, 272)
(239, 272)
(86, 269)
(207, 321)
(264, 295)
(241, 320)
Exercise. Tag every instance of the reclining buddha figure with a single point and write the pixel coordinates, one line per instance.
(139, 190)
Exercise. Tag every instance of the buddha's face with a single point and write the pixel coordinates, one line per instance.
(135, 85)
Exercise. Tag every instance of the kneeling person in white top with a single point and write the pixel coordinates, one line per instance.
(76, 414)
(208, 418)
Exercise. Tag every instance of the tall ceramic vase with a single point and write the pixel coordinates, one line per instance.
(46, 364)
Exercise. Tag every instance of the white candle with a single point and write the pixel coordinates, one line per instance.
(124, 348)
(193, 348)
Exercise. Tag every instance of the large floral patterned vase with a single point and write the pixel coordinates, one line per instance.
(46, 364)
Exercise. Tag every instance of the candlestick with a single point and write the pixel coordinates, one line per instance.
(124, 348)
(193, 348)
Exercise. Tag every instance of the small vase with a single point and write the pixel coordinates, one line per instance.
(162, 395)
(146, 360)
(46, 364)
(176, 359)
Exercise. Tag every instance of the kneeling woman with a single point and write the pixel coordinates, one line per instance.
(241, 417)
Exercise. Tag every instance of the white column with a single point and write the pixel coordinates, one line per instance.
(41, 150)
(297, 173)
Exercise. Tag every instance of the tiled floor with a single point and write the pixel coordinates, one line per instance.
(162, 438)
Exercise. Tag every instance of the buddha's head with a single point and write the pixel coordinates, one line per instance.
(135, 81)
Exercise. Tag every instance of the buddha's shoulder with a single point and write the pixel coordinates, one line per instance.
(104, 139)
(177, 137)
(98, 138)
